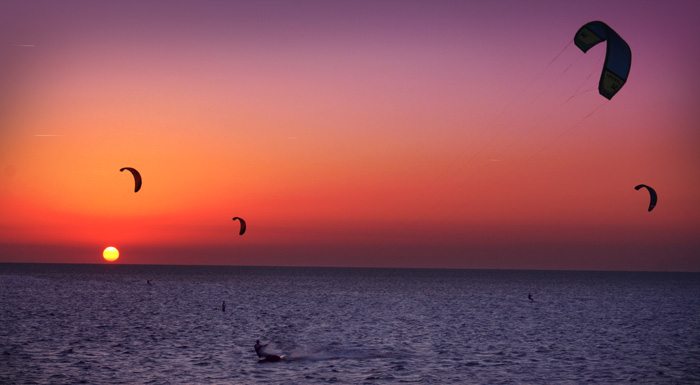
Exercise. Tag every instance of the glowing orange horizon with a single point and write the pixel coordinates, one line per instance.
(439, 138)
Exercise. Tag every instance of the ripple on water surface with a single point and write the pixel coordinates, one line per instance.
(104, 324)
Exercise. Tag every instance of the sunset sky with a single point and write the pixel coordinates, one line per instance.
(356, 133)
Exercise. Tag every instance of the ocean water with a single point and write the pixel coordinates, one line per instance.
(103, 324)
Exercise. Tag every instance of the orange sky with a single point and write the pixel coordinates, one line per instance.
(352, 145)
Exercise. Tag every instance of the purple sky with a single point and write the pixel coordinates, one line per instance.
(358, 133)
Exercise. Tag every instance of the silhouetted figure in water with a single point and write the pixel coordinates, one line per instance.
(259, 349)
(529, 296)
(148, 281)
(223, 306)
(266, 357)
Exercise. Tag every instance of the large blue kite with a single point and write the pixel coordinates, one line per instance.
(618, 56)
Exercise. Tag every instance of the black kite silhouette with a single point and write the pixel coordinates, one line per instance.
(137, 177)
(652, 195)
(243, 226)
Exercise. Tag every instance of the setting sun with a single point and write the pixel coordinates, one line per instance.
(110, 254)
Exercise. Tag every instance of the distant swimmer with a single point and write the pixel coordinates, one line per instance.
(223, 306)
(529, 296)
(148, 281)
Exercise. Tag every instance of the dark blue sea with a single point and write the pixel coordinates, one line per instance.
(104, 324)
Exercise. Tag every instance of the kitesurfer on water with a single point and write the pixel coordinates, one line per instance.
(259, 349)
(266, 357)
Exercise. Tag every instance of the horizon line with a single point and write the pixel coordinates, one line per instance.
(353, 267)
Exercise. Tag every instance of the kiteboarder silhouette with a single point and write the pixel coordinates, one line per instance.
(263, 356)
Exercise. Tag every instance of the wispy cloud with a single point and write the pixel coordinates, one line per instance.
(45, 135)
